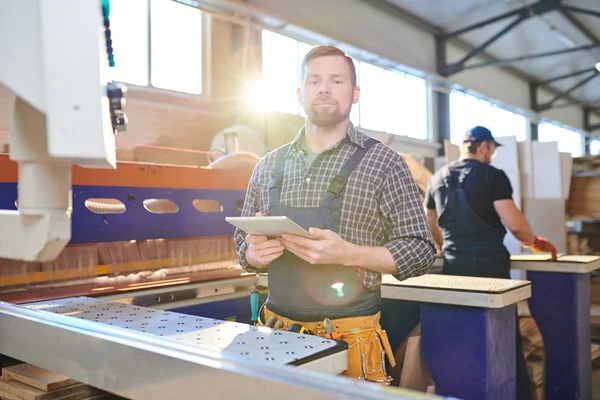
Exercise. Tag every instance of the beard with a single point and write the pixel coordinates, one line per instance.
(325, 116)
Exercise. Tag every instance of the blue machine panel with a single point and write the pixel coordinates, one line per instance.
(136, 223)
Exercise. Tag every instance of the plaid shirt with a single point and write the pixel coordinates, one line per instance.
(381, 204)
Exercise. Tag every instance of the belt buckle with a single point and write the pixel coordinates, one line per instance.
(337, 185)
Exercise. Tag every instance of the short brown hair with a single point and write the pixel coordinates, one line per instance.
(322, 51)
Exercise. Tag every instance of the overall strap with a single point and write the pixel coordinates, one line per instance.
(332, 199)
(456, 179)
(277, 176)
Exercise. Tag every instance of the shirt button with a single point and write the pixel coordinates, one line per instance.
(307, 180)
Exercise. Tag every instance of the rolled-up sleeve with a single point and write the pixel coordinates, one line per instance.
(251, 207)
(408, 236)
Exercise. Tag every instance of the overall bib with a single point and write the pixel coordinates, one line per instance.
(306, 293)
(472, 247)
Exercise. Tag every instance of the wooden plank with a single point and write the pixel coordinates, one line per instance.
(26, 392)
(562, 258)
(37, 377)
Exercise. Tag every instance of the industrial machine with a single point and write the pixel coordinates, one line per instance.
(123, 275)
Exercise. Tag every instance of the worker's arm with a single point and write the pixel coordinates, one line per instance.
(409, 249)
(432, 220)
(255, 252)
(515, 221)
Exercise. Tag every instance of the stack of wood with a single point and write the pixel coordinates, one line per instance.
(577, 244)
(28, 382)
(533, 349)
(584, 196)
(586, 165)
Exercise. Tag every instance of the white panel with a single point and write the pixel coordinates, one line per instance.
(547, 174)
(566, 166)
(526, 169)
(507, 159)
(547, 219)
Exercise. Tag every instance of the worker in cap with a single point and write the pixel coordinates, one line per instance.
(359, 202)
(466, 203)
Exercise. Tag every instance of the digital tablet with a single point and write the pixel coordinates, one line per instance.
(268, 226)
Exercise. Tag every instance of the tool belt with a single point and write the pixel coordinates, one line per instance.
(368, 344)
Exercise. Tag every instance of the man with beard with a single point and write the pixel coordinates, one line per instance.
(358, 200)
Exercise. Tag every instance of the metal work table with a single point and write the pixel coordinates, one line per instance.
(257, 344)
(74, 337)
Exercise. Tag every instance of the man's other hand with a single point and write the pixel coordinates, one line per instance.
(327, 247)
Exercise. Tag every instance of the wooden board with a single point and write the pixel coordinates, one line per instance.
(563, 258)
(37, 377)
(26, 392)
(462, 283)
(575, 264)
(457, 290)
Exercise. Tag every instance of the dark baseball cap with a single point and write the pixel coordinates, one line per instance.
(479, 134)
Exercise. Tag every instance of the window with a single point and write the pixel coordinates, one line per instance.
(595, 147)
(393, 102)
(569, 140)
(172, 58)
(281, 58)
(467, 111)
(390, 101)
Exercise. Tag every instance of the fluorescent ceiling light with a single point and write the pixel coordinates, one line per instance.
(598, 66)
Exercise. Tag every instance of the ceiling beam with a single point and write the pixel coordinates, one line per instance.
(438, 32)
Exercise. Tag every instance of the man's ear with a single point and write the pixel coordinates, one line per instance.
(355, 94)
(299, 94)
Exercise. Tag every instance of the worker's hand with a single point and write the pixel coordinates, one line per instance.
(261, 251)
(542, 245)
(327, 247)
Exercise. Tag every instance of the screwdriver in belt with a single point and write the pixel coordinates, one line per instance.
(254, 299)
(328, 327)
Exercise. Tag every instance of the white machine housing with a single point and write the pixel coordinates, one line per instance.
(55, 62)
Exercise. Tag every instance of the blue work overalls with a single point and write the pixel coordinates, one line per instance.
(304, 292)
(472, 247)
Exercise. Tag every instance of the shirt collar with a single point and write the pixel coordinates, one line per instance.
(352, 134)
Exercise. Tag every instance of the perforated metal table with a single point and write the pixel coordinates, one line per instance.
(258, 344)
